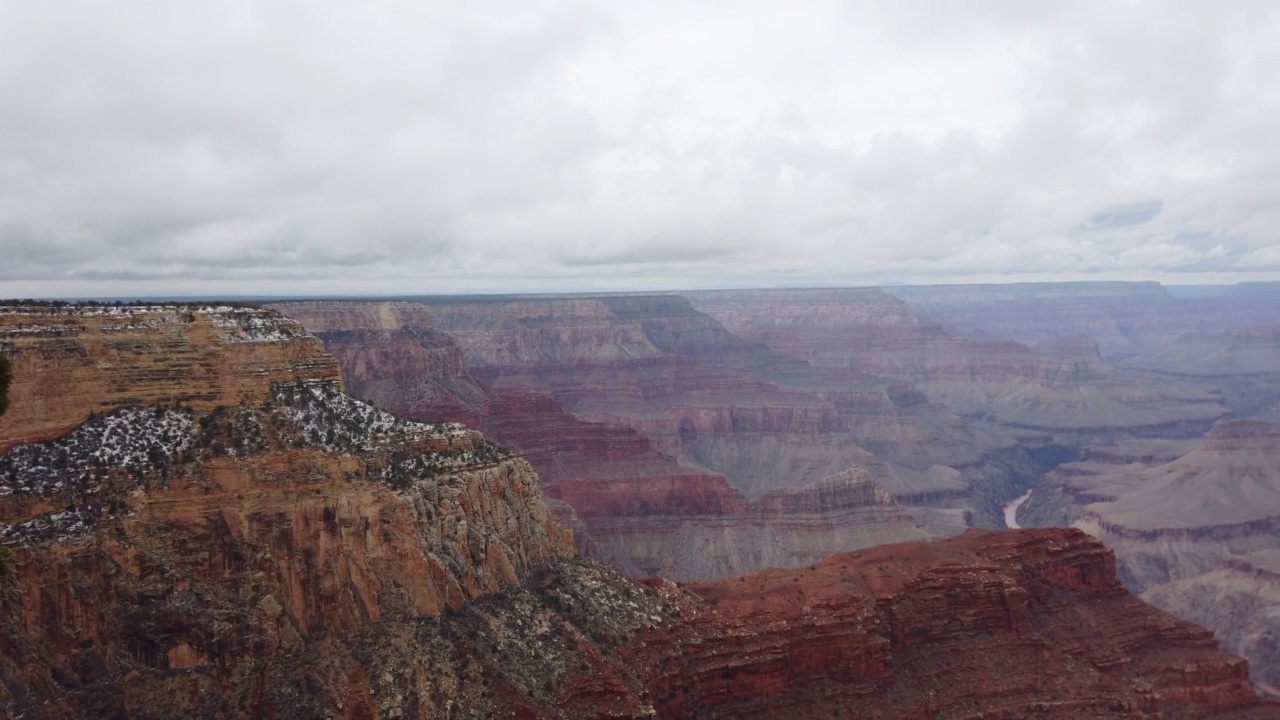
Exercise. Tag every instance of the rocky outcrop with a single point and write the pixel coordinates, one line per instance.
(1232, 479)
(986, 625)
(195, 541)
(296, 553)
(390, 355)
(640, 462)
(867, 630)
(1239, 599)
(70, 361)
(1191, 524)
(784, 528)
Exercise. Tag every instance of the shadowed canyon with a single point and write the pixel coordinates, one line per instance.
(709, 504)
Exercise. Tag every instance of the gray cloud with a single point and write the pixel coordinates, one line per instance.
(429, 147)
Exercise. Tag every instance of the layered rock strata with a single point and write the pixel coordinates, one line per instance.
(615, 463)
(300, 554)
(1003, 381)
(194, 542)
(72, 361)
(986, 625)
(1193, 525)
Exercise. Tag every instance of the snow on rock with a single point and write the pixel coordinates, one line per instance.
(331, 419)
(109, 453)
(326, 417)
(252, 325)
(138, 440)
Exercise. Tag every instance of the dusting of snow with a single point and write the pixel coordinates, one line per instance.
(91, 470)
(328, 418)
(333, 420)
(137, 440)
(245, 325)
(86, 465)
(63, 525)
(40, 331)
(238, 324)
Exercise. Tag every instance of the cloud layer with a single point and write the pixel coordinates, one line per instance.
(420, 147)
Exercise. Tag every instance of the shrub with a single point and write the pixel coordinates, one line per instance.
(6, 376)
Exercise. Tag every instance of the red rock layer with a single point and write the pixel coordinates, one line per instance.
(1009, 624)
(69, 362)
(390, 356)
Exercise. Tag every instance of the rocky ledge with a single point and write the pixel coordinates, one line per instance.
(990, 624)
(71, 361)
(224, 533)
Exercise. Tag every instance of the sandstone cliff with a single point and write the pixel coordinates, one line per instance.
(1191, 523)
(296, 553)
(168, 532)
(70, 362)
(987, 625)
(634, 504)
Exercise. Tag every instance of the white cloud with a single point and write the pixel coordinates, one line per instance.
(396, 146)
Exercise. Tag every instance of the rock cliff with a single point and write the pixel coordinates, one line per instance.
(296, 553)
(1192, 523)
(221, 504)
(70, 362)
(631, 463)
(986, 625)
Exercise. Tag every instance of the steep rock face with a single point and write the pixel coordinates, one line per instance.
(615, 462)
(867, 630)
(391, 356)
(1185, 519)
(784, 528)
(188, 542)
(986, 625)
(69, 362)
(533, 332)
(1241, 600)
(871, 332)
(1232, 479)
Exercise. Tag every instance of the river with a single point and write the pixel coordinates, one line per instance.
(1011, 510)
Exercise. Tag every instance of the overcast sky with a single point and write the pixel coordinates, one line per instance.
(386, 147)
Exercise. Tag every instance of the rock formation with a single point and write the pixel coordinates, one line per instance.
(1192, 523)
(1003, 381)
(230, 547)
(615, 463)
(221, 502)
(71, 362)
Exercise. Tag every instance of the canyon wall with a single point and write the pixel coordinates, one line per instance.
(1193, 524)
(297, 553)
(221, 503)
(70, 362)
(591, 394)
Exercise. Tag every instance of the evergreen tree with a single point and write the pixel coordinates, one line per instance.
(6, 374)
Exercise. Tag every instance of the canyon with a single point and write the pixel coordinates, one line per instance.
(1193, 524)
(211, 526)
(662, 420)
(662, 424)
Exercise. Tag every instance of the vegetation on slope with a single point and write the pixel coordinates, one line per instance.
(6, 375)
